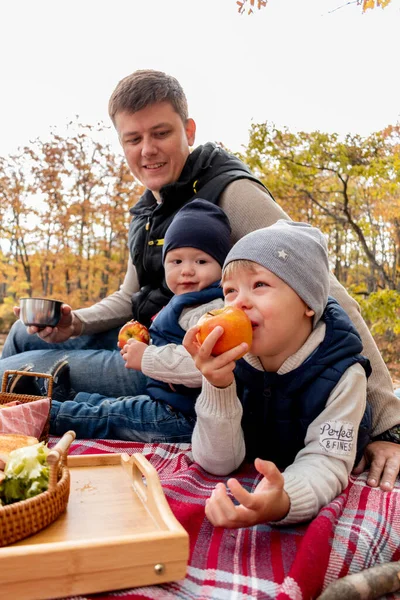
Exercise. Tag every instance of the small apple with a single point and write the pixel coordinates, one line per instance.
(133, 329)
(236, 324)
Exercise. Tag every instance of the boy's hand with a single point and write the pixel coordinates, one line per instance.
(384, 458)
(132, 353)
(218, 370)
(268, 502)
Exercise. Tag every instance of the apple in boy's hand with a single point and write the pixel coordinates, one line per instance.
(236, 324)
(133, 329)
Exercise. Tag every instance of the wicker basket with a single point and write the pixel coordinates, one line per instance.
(6, 397)
(24, 518)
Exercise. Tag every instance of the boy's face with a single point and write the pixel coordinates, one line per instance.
(156, 144)
(190, 270)
(281, 320)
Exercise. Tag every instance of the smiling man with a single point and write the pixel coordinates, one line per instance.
(149, 110)
(156, 144)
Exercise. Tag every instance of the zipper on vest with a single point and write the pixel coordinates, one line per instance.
(159, 242)
(147, 230)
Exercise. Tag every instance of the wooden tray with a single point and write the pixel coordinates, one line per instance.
(117, 532)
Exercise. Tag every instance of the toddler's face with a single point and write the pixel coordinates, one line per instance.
(190, 270)
(280, 318)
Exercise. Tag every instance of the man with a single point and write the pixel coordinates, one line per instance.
(150, 113)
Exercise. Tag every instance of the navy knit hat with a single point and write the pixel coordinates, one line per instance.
(199, 224)
(295, 252)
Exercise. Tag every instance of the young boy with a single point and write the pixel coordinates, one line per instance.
(297, 400)
(195, 247)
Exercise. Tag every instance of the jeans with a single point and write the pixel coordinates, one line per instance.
(138, 419)
(95, 361)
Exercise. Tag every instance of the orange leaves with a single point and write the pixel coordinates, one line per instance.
(349, 187)
(64, 218)
(369, 4)
(247, 6)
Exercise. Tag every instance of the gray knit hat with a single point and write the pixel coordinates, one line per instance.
(294, 252)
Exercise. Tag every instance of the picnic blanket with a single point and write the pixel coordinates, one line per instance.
(358, 530)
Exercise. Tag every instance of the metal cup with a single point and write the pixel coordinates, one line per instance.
(40, 312)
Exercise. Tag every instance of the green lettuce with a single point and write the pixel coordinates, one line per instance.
(26, 474)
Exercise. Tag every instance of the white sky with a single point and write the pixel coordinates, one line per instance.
(294, 63)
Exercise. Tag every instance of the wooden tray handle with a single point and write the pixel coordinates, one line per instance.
(6, 375)
(150, 491)
(58, 456)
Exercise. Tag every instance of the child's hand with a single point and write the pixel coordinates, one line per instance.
(132, 354)
(218, 370)
(268, 502)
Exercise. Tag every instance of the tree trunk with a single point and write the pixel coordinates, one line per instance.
(366, 585)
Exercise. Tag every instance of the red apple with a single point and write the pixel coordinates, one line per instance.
(133, 329)
(236, 324)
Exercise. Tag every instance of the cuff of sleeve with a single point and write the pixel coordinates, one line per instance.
(221, 403)
(82, 323)
(391, 435)
(303, 505)
(147, 366)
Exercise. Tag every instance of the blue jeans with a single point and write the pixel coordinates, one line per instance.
(397, 392)
(138, 419)
(95, 361)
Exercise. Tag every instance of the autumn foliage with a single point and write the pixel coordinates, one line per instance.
(248, 7)
(64, 214)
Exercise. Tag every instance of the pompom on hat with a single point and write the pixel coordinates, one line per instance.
(202, 225)
(296, 253)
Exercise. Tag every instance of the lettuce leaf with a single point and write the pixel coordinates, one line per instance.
(26, 474)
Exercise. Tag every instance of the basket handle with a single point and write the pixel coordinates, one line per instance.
(57, 454)
(6, 375)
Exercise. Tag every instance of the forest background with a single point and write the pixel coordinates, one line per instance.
(64, 214)
(65, 196)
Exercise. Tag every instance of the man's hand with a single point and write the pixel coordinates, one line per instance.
(68, 326)
(268, 502)
(384, 458)
(132, 353)
(218, 370)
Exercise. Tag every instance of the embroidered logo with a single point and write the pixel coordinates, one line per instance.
(337, 437)
(282, 255)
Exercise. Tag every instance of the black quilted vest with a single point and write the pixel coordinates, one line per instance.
(207, 171)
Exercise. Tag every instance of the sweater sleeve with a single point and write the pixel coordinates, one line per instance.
(249, 207)
(112, 311)
(172, 363)
(217, 440)
(321, 469)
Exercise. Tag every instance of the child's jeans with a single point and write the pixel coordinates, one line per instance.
(132, 418)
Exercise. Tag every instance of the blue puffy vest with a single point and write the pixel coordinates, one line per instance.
(277, 409)
(166, 330)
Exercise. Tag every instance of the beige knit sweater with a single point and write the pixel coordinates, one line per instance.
(248, 208)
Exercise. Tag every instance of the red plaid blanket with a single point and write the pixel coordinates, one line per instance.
(358, 530)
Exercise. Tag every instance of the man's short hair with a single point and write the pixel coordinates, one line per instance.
(144, 88)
